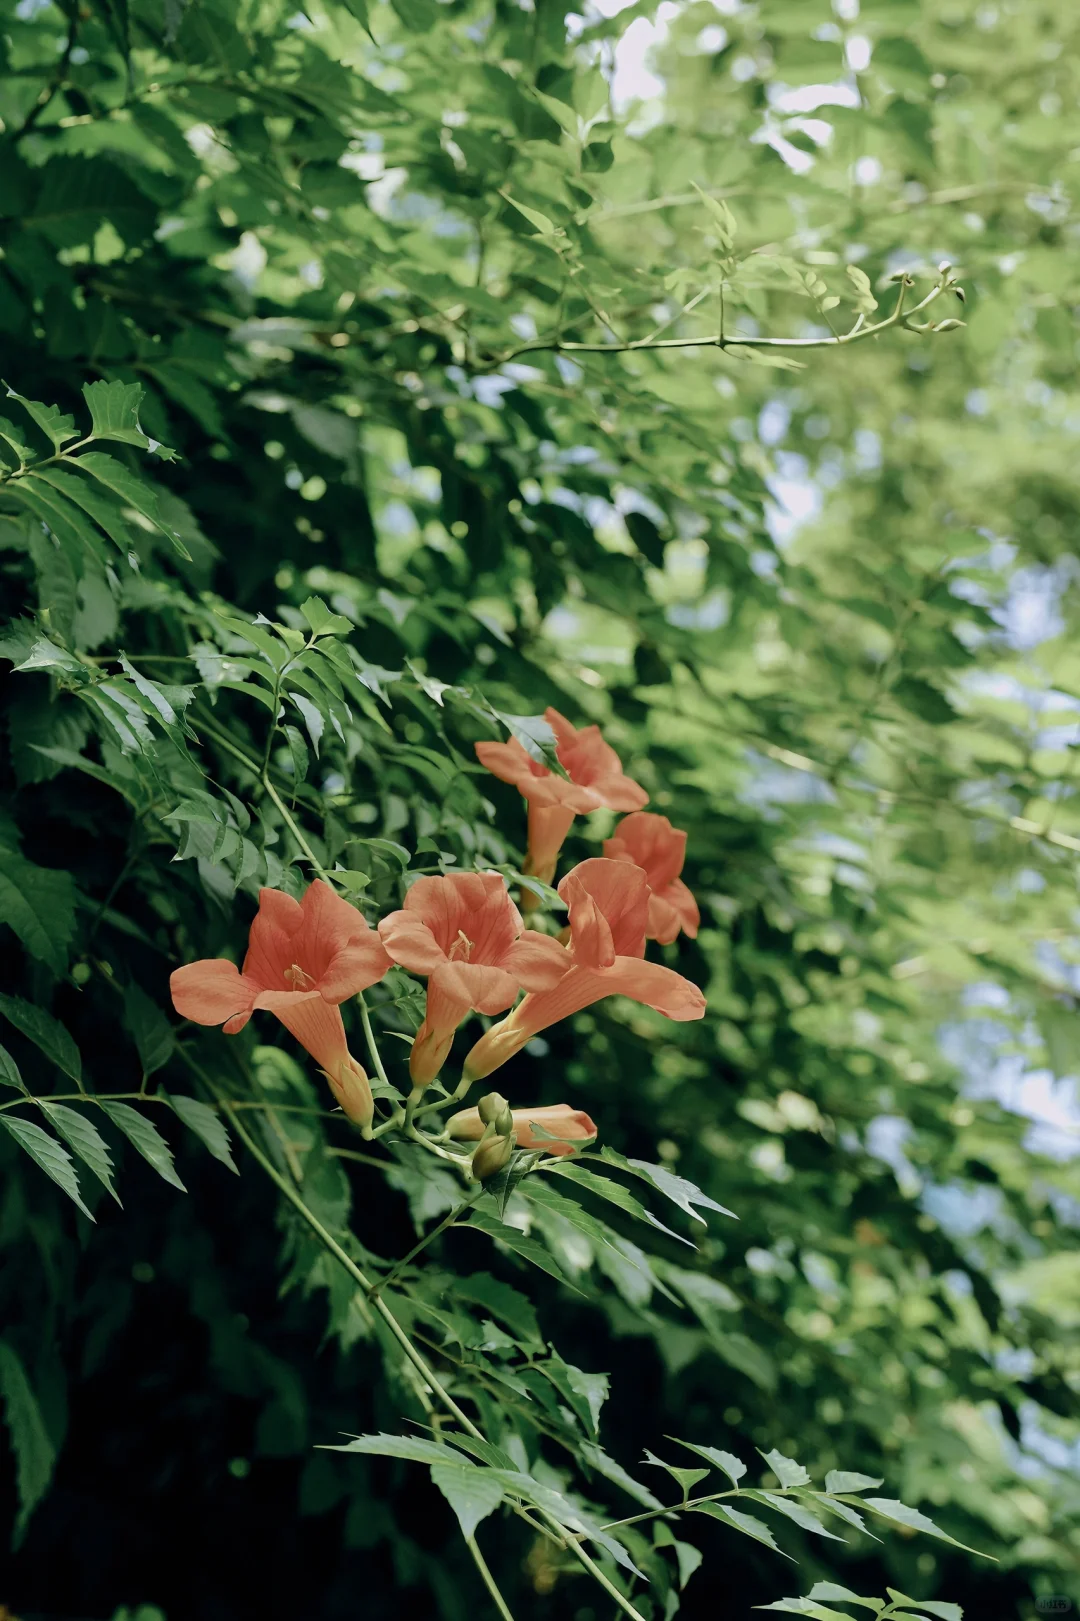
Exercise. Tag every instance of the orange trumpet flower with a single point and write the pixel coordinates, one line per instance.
(609, 907)
(571, 1127)
(651, 843)
(466, 934)
(303, 959)
(594, 779)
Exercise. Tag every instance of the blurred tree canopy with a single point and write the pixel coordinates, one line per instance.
(431, 345)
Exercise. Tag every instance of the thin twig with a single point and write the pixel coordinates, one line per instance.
(720, 340)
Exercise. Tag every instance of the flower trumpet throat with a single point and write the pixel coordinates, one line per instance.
(609, 908)
(304, 959)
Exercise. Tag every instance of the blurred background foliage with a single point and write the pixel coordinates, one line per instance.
(824, 606)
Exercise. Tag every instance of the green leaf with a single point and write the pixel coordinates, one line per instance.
(805, 1606)
(35, 1455)
(794, 1510)
(207, 1126)
(146, 1140)
(540, 221)
(746, 1523)
(114, 413)
(676, 1188)
(412, 1447)
(57, 427)
(686, 1479)
(945, 1612)
(612, 1470)
(132, 490)
(45, 1032)
(832, 1590)
(38, 903)
(605, 1188)
(83, 1137)
(322, 621)
(842, 1480)
(722, 218)
(733, 1468)
(45, 1151)
(472, 1493)
(515, 1240)
(787, 1471)
(900, 1514)
(150, 1029)
(9, 1072)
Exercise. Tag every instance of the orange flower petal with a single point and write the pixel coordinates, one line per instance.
(593, 764)
(458, 987)
(652, 844)
(537, 961)
(334, 945)
(620, 892)
(213, 991)
(270, 943)
(678, 896)
(411, 943)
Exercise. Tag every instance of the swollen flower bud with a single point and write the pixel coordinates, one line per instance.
(491, 1107)
(349, 1084)
(491, 1157)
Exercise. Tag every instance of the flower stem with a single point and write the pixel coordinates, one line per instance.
(330, 1242)
(488, 1579)
(448, 1221)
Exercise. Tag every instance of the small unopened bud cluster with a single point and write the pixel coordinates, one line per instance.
(494, 1149)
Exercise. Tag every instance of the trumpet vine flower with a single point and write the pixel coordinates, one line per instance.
(465, 933)
(304, 958)
(594, 779)
(609, 908)
(651, 843)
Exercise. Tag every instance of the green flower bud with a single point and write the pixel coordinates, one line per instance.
(491, 1107)
(491, 1157)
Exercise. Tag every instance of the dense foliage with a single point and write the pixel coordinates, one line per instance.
(379, 377)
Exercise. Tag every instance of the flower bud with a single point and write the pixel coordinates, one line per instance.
(491, 1157)
(562, 1129)
(349, 1084)
(491, 1107)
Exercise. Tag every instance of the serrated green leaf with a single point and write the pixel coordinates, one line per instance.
(84, 1139)
(38, 903)
(322, 620)
(787, 1471)
(412, 1447)
(150, 1029)
(57, 427)
(45, 1151)
(45, 1032)
(733, 1468)
(114, 413)
(515, 1240)
(605, 1188)
(473, 1493)
(686, 1479)
(676, 1188)
(792, 1509)
(899, 1513)
(9, 1072)
(843, 1480)
(35, 1455)
(207, 1126)
(146, 1140)
(746, 1523)
(133, 491)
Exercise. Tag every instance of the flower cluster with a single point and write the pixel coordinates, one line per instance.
(464, 934)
